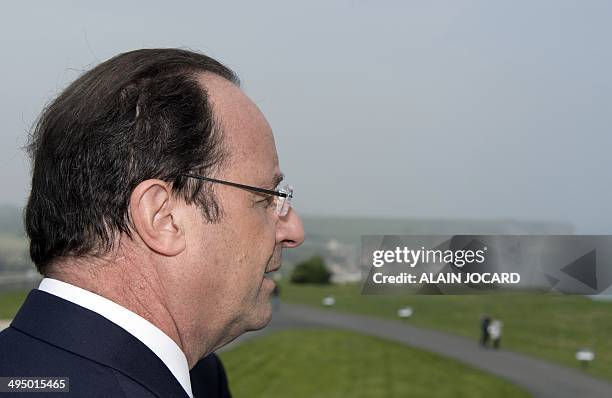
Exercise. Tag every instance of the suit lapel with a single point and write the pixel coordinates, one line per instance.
(86, 333)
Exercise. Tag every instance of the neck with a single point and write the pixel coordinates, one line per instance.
(135, 287)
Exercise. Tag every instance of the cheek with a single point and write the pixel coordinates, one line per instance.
(232, 256)
(257, 238)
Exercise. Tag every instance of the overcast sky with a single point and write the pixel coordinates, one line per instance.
(463, 109)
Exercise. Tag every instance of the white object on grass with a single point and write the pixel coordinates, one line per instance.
(329, 301)
(405, 312)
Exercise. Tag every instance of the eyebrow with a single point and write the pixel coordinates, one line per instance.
(271, 186)
(276, 179)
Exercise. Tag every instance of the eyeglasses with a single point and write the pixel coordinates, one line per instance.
(282, 197)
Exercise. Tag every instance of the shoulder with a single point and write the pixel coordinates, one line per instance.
(26, 356)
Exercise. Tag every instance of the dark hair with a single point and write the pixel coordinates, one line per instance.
(137, 116)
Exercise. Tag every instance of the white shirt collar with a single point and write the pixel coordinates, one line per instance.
(162, 345)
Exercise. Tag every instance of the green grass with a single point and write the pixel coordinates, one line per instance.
(545, 326)
(332, 363)
(10, 303)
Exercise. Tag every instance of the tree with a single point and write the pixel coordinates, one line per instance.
(312, 270)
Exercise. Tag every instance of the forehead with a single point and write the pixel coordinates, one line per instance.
(246, 132)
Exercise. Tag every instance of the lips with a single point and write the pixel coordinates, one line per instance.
(270, 272)
(273, 269)
(276, 260)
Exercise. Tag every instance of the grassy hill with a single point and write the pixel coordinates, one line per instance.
(331, 363)
(545, 326)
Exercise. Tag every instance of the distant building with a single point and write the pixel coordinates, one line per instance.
(342, 261)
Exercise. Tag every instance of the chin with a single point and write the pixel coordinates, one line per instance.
(261, 318)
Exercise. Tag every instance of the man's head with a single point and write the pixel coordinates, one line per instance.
(110, 156)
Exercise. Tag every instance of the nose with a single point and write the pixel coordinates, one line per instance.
(290, 231)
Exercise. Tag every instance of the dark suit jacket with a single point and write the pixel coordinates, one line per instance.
(51, 336)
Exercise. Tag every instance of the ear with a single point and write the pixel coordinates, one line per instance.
(155, 217)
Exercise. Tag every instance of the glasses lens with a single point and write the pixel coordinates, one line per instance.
(284, 203)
